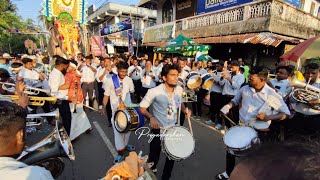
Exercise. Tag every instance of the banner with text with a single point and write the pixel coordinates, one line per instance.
(120, 26)
(205, 6)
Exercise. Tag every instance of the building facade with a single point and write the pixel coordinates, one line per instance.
(258, 31)
(108, 21)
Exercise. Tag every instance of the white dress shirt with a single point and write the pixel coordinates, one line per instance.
(127, 88)
(99, 73)
(56, 79)
(88, 75)
(148, 81)
(252, 103)
(13, 169)
(135, 75)
(283, 86)
(157, 100)
(216, 87)
(305, 108)
(232, 88)
(28, 74)
(157, 71)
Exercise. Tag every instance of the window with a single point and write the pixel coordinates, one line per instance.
(313, 6)
(167, 12)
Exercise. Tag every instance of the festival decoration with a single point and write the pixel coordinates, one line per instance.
(76, 8)
(30, 46)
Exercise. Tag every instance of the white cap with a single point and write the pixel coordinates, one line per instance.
(6, 55)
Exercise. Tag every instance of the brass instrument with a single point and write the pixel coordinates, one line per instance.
(47, 152)
(304, 92)
(10, 87)
(33, 100)
(32, 118)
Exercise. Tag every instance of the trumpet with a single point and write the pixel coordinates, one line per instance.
(54, 114)
(34, 100)
(10, 87)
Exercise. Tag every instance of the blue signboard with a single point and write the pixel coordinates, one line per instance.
(295, 3)
(204, 6)
(120, 26)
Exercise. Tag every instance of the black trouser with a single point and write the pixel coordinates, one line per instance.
(137, 90)
(303, 124)
(46, 107)
(64, 110)
(197, 106)
(109, 111)
(88, 88)
(154, 155)
(99, 92)
(216, 103)
(144, 91)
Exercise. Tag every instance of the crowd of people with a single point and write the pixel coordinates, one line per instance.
(238, 92)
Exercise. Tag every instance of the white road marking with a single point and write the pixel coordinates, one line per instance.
(106, 139)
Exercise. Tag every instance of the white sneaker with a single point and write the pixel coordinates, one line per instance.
(209, 122)
(219, 126)
(198, 118)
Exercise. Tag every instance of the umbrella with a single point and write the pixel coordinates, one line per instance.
(204, 57)
(182, 45)
(308, 49)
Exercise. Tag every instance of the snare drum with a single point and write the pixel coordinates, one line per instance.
(128, 119)
(239, 140)
(193, 80)
(207, 81)
(177, 143)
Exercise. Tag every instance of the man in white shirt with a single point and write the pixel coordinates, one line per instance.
(60, 90)
(281, 83)
(12, 141)
(307, 119)
(99, 83)
(157, 70)
(231, 85)
(88, 76)
(30, 76)
(216, 98)
(185, 70)
(135, 73)
(113, 95)
(163, 102)
(148, 79)
(257, 101)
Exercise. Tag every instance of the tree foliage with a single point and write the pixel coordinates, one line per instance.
(14, 43)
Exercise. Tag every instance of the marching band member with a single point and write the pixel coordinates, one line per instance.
(281, 83)
(200, 93)
(12, 142)
(28, 74)
(118, 87)
(216, 98)
(15, 69)
(3, 63)
(103, 77)
(306, 118)
(163, 102)
(59, 88)
(185, 70)
(80, 122)
(148, 79)
(88, 76)
(98, 83)
(157, 70)
(134, 73)
(251, 99)
(231, 84)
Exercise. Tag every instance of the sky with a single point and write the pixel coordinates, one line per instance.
(30, 8)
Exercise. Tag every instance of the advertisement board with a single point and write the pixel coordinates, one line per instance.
(205, 6)
(120, 26)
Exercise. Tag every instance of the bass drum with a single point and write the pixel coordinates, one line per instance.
(193, 80)
(129, 119)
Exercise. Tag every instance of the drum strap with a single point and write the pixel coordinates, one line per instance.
(117, 86)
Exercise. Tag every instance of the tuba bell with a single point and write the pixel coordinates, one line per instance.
(304, 92)
(48, 152)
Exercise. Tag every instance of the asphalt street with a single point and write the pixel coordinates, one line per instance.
(95, 152)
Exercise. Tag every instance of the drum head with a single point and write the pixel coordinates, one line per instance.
(239, 136)
(179, 142)
(121, 121)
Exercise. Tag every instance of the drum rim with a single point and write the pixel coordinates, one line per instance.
(169, 154)
(128, 122)
(256, 136)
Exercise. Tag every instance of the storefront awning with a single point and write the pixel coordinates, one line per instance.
(265, 38)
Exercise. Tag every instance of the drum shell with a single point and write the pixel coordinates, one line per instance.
(197, 83)
(207, 81)
(180, 82)
(134, 119)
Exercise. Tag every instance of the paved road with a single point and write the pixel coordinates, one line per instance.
(94, 157)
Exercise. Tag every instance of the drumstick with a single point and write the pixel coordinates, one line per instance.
(189, 122)
(225, 116)
(90, 107)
